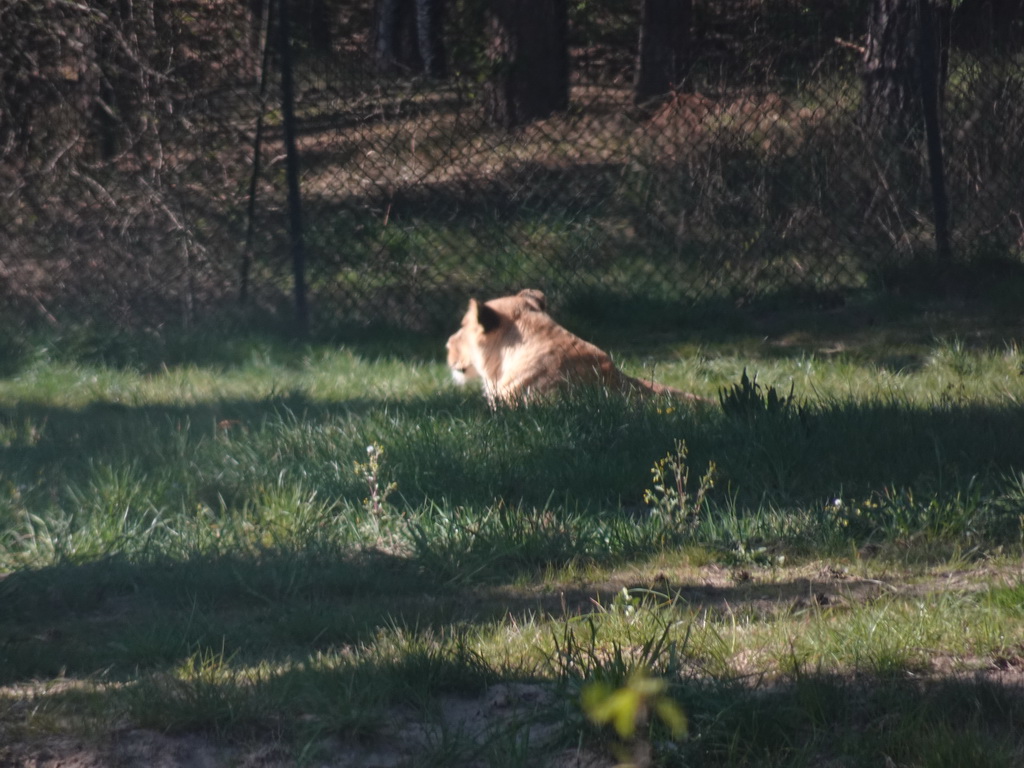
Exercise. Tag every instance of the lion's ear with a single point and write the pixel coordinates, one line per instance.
(487, 318)
(538, 298)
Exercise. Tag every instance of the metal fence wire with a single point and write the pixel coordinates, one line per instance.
(379, 161)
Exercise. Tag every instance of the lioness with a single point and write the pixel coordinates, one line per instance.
(519, 351)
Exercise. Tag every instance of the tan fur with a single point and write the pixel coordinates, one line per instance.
(520, 352)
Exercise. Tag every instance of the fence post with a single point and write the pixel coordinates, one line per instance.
(292, 173)
(929, 59)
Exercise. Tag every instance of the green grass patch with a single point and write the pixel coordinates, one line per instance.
(325, 547)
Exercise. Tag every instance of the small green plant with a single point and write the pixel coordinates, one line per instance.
(670, 495)
(371, 472)
(626, 603)
(748, 398)
(629, 709)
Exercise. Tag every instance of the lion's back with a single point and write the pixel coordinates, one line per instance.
(547, 357)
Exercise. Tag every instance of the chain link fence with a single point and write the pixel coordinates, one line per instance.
(665, 151)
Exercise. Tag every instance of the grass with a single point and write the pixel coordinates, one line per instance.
(196, 544)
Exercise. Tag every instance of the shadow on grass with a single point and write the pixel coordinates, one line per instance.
(282, 606)
(118, 615)
(811, 719)
(584, 454)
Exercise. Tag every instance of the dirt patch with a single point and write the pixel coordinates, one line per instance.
(129, 749)
(760, 591)
(406, 738)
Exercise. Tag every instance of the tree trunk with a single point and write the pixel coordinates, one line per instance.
(932, 86)
(115, 103)
(905, 71)
(317, 21)
(408, 36)
(891, 108)
(394, 36)
(295, 230)
(529, 60)
(663, 57)
(430, 36)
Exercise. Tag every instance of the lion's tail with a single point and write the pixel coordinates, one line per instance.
(646, 386)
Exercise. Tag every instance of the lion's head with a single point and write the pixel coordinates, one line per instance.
(460, 357)
(492, 321)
